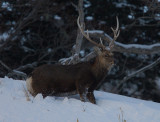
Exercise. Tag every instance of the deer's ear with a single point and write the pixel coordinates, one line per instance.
(97, 50)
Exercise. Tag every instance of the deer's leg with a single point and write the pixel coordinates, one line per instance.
(90, 94)
(81, 91)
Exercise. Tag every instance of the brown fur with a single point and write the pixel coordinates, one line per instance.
(55, 79)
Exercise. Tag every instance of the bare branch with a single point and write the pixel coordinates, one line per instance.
(13, 72)
(135, 73)
(86, 35)
(23, 22)
(76, 48)
(81, 20)
(89, 56)
(4, 65)
(32, 65)
(137, 48)
(75, 6)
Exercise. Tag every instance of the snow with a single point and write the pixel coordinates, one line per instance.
(110, 107)
(95, 31)
(127, 46)
(57, 17)
(89, 18)
(131, 17)
(145, 9)
(6, 5)
(157, 16)
(102, 22)
(87, 3)
(4, 36)
(124, 4)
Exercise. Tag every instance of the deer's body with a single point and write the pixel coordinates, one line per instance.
(82, 77)
(58, 79)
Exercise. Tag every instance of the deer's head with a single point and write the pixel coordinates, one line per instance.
(104, 54)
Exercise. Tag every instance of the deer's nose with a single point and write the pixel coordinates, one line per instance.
(112, 63)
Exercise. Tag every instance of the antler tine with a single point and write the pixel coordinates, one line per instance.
(117, 24)
(87, 35)
(116, 33)
(101, 41)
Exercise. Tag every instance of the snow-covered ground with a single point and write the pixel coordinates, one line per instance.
(110, 107)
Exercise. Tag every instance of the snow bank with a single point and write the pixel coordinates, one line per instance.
(110, 107)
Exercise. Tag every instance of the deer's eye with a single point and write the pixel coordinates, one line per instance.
(101, 49)
(106, 55)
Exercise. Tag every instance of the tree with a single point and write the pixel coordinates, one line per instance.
(38, 32)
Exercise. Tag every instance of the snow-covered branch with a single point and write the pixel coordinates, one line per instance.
(137, 48)
(127, 48)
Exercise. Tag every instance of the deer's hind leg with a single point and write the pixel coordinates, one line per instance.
(81, 91)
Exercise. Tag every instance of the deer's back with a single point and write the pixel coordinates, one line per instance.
(59, 78)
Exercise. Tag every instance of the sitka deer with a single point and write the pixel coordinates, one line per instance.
(82, 78)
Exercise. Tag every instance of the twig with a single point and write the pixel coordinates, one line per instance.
(5, 66)
(76, 7)
(32, 65)
(13, 72)
(135, 73)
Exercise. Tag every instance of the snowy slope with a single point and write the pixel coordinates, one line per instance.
(110, 107)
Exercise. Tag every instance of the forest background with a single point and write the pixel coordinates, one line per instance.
(36, 32)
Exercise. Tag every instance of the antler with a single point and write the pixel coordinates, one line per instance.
(88, 38)
(116, 33)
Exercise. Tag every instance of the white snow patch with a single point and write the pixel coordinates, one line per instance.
(89, 18)
(87, 3)
(157, 16)
(15, 108)
(131, 17)
(145, 9)
(123, 4)
(137, 45)
(102, 22)
(82, 52)
(6, 5)
(4, 36)
(95, 31)
(57, 17)
(49, 50)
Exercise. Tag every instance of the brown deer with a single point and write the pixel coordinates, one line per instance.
(81, 78)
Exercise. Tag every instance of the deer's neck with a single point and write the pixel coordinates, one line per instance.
(99, 70)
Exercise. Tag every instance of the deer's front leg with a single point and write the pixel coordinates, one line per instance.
(90, 94)
(91, 97)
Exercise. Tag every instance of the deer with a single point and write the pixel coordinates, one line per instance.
(81, 78)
